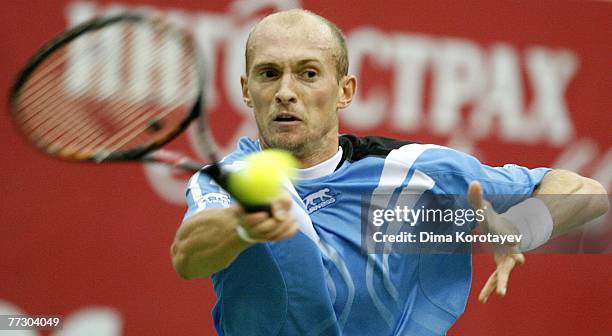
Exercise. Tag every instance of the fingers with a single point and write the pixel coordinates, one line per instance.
(498, 281)
(477, 201)
(268, 229)
(506, 257)
(281, 207)
(278, 226)
(493, 222)
(503, 273)
(271, 229)
(475, 195)
(252, 219)
(284, 231)
(504, 269)
(476, 198)
(488, 288)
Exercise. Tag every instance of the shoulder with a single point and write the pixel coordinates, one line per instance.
(401, 157)
(356, 148)
(244, 147)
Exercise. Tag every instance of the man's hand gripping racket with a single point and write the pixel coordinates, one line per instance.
(118, 89)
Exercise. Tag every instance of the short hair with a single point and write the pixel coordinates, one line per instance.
(341, 55)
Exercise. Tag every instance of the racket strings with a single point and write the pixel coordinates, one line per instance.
(128, 118)
(37, 84)
(34, 106)
(39, 81)
(43, 103)
(137, 123)
(93, 118)
(50, 125)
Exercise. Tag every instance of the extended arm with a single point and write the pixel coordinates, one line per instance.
(208, 242)
(572, 201)
(561, 191)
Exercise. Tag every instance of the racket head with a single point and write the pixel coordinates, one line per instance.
(110, 89)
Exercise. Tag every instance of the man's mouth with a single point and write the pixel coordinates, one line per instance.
(286, 119)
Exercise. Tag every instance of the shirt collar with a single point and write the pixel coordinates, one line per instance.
(322, 169)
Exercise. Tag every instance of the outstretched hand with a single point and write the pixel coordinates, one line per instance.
(506, 256)
(277, 225)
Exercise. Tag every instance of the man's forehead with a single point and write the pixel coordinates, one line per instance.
(293, 19)
(293, 54)
(294, 42)
(304, 28)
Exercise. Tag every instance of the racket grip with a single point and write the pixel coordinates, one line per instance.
(257, 208)
(221, 178)
(173, 159)
(191, 166)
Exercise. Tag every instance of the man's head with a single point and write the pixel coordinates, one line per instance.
(296, 81)
(340, 51)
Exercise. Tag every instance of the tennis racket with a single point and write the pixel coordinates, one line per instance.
(116, 88)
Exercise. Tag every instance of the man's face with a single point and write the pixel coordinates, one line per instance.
(292, 86)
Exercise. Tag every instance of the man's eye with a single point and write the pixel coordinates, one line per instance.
(268, 74)
(309, 74)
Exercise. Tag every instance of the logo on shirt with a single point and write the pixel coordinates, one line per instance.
(214, 200)
(318, 200)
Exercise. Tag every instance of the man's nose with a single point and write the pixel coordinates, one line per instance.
(286, 92)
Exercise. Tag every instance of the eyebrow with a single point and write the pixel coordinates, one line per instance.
(274, 65)
(310, 60)
(264, 65)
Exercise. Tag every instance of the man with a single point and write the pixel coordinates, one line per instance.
(273, 279)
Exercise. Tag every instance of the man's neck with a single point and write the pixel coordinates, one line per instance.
(315, 154)
(318, 156)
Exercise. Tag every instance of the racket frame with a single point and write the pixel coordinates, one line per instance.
(142, 152)
(150, 152)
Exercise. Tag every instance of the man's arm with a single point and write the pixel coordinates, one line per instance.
(208, 241)
(567, 209)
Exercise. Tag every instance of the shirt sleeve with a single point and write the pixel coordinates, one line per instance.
(203, 193)
(508, 185)
(502, 186)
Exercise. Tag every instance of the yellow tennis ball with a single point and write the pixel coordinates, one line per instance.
(261, 180)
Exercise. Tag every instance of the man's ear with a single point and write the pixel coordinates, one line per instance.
(246, 96)
(348, 86)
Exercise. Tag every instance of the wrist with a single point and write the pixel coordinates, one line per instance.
(533, 221)
(244, 236)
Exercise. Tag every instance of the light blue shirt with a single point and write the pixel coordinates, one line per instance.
(322, 283)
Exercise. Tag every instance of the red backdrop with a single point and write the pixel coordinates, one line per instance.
(527, 83)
